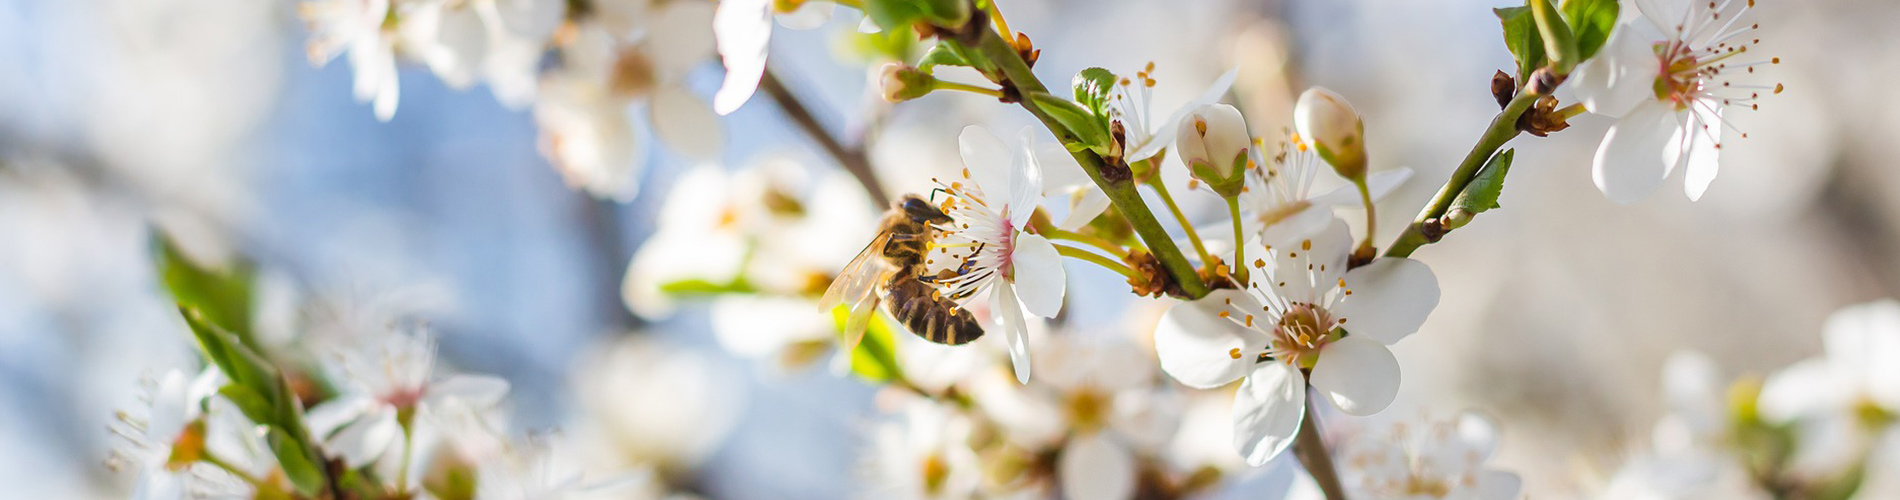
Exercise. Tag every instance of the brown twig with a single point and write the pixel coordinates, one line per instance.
(852, 158)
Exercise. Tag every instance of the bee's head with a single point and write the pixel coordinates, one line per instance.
(922, 211)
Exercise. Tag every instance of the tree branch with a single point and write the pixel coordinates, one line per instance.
(1310, 448)
(852, 158)
(1503, 128)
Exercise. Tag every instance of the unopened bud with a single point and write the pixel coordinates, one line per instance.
(902, 83)
(1213, 142)
(1329, 124)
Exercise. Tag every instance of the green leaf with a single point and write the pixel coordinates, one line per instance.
(1092, 88)
(1590, 21)
(875, 359)
(1089, 129)
(1521, 37)
(1559, 45)
(1482, 193)
(945, 53)
(894, 15)
(296, 462)
(223, 296)
(884, 45)
(253, 405)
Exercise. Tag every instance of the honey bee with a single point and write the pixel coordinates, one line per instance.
(892, 267)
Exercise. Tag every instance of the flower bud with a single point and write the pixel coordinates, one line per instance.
(902, 83)
(1213, 142)
(1329, 124)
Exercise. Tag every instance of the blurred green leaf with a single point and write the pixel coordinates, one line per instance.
(223, 296)
(894, 15)
(296, 461)
(690, 287)
(1560, 46)
(884, 45)
(1483, 191)
(1092, 88)
(1591, 21)
(875, 359)
(1521, 37)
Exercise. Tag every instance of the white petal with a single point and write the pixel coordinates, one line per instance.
(1390, 298)
(1015, 330)
(1804, 388)
(1040, 280)
(1478, 433)
(685, 123)
(1196, 346)
(809, 15)
(1861, 342)
(680, 36)
(1633, 158)
(1267, 412)
(1025, 179)
(365, 440)
(1094, 201)
(1379, 184)
(171, 407)
(327, 417)
(1499, 485)
(1359, 375)
(477, 391)
(986, 161)
(1059, 169)
(1304, 224)
(1165, 131)
(1619, 76)
(744, 30)
(1665, 15)
(1305, 270)
(1699, 161)
(1095, 467)
(159, 484)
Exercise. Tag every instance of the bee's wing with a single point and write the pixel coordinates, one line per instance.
(858, 277)
(860, 317)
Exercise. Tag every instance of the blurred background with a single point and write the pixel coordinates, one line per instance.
(205, 117)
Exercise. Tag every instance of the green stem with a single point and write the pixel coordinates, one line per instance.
(1090, 240)
(408, 447)
(946, 85)
(999, 60)
(1097, 259)
(212, 458)
(1372, 216)
(1161, 189)
(1240, 242)
(1503, 128)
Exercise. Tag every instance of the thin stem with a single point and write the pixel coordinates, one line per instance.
(212, 458)
(1240, 242)
(1097, 259)
(1503, 128)
(947, 85)
(1372, 216)
(1091, 240)
(1161, 189)
(853, 159)
(1310, 448)
(999, 60)
(408, 447)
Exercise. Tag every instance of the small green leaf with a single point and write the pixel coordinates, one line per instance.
(1521, 37)
(894, 15)
(248, 402)
(1482, 193)
(875, 359)
(223, 296)
(1591, 22)
(1089, 129)
(884, 45)
(1092, 88)
(945, 53)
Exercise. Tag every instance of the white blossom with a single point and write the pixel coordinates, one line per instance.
(1280, 205)
(1432, 459)
(1304, 312)
(385, 381)
(361, 28)
(1665, 74)
(987, 244)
